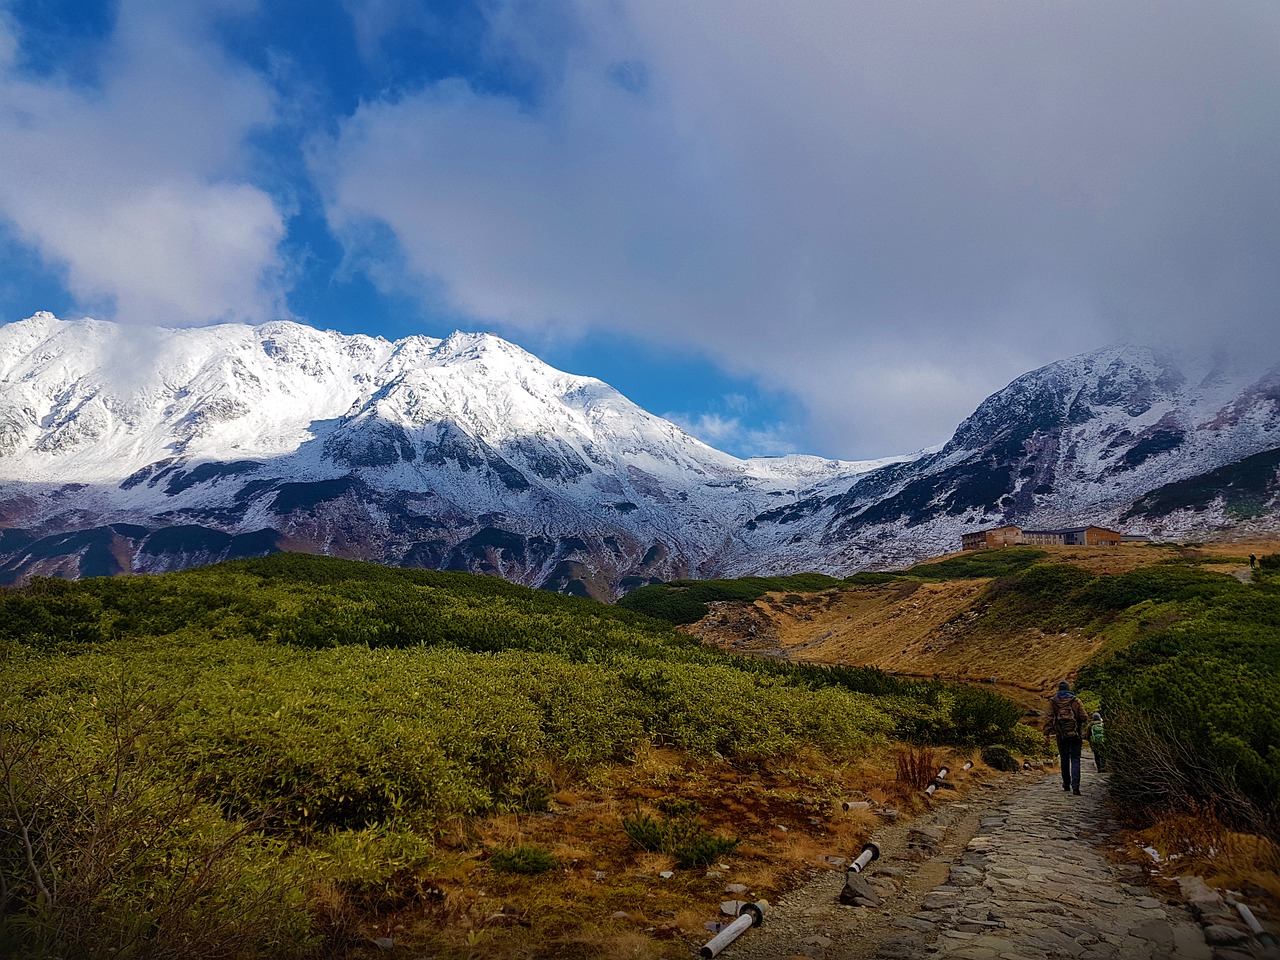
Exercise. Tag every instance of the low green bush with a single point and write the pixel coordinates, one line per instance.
(874, 578)
(685, 601)
(681, 837)
(106, 853)
(677, 807)
(1027, 741)
(999, 758)
(315, 720)
(978, 564)
(524, 858)
(1191, 708)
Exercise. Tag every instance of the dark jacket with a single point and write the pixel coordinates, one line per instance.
(1067, 708)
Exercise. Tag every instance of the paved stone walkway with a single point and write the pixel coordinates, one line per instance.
(1012, 873)
(1033, 884)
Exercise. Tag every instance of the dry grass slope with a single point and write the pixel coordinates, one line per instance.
(926, 628)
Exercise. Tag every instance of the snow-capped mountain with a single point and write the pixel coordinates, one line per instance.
(134, 448)
(128, 448)
(1124, 436)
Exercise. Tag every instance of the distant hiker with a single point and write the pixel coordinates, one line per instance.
(1253, 560)
(1096, 740)
(1066, 721)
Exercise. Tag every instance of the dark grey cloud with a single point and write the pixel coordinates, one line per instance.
(889, 208)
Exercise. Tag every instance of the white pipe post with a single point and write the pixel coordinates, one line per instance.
(751, 915)
(726, 936)
(869, 852)
(849, 805)
(968, 765)
(1252, 923)
(942, 775)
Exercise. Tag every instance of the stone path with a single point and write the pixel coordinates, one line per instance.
(1034, 884)
(1005, 874)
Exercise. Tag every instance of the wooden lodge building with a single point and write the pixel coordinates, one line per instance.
(1006, 536)
(1011, 535)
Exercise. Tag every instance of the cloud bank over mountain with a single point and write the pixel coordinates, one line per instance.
(884, 209)
(903, 190)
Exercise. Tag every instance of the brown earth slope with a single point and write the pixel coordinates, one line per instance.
(921, 628)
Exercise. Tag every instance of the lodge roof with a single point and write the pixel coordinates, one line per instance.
(1056, 530)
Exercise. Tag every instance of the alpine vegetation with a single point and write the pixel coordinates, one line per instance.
(207, 761)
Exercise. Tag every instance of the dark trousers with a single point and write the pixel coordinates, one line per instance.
(1069, 754)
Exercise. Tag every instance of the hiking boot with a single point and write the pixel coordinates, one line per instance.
(1076, 792)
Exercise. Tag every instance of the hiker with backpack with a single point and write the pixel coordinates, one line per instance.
(1096, 740)
(1066, 721)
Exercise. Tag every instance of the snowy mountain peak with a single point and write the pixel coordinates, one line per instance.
(87, 400)
(134, 448)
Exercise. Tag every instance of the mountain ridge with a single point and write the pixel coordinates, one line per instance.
(470, 453)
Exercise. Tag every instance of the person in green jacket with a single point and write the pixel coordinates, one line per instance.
(1096, 740)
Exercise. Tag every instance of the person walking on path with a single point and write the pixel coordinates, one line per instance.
(1096, 740)
(1066, 721)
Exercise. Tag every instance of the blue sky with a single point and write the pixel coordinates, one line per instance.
(822, 227)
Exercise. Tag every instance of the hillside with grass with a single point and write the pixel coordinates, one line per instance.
(291, 755)
(1178, 645)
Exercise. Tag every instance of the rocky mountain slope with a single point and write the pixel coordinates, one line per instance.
(1124, 437)
(127, 448)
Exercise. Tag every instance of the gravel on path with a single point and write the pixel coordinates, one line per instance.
(1013, 871)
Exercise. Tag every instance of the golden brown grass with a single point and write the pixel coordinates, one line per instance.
(1198, 843)
(607, 898)
(919, 628)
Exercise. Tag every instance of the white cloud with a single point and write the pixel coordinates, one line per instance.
(136, 189)
(734, 436)
(888, 208)
(711, 428)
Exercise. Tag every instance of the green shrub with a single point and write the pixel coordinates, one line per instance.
(369, 865)
(1026, 741)
(1190, 701)
(524, 858)
(682, 838)
(980, 716)
(645, 831)
(979, 564)
(692, 845)
(307, 718)
(874, 578)
(999, 758)
(126, 859)
(677, 807)
(1159, 583)
(685, 601)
